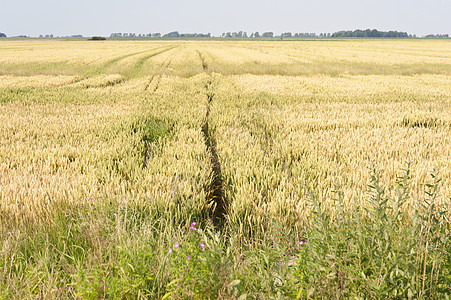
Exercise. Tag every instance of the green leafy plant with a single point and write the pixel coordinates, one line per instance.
(197, 263)
(378, 252)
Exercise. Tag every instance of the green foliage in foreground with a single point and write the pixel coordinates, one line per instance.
(112, 250)
(380, 252)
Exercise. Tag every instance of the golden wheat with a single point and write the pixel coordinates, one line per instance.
(67, 127)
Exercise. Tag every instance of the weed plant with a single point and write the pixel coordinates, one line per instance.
(100, 251)
(379, 252)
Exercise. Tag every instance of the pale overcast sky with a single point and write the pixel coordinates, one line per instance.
(102, 17)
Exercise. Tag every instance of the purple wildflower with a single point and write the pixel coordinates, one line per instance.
(203, 246)
(170, 250)
(302, 243)
(176, 245)
(189, 257)
(183, 231)
(193, 224)
(193, 228)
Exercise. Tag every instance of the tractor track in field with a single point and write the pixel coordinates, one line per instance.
(150, 82)
(203, 61)
(164, 64)
(104, 67)
(140, 63)
(157, 85)
(216, 201)
(156, 78)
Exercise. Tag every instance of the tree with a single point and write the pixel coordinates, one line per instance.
(256, 34)
(97, 38)
(268, 34)
(2, 35)
(370, 33)
(437, 36)
(172, 34)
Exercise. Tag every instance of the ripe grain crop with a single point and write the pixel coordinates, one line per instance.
(109, 150)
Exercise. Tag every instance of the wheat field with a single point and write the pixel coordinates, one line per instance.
(169, 127)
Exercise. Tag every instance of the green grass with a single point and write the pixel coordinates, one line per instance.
(111, 250)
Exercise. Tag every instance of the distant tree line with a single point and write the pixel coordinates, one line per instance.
(356, 33)
(173, 34)
(271, 34)
(134, 35)
(368, 33)
(47, 36)
(196, 35)
(243, 34)
(239, 34)
(311, 35)
(437, 36)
